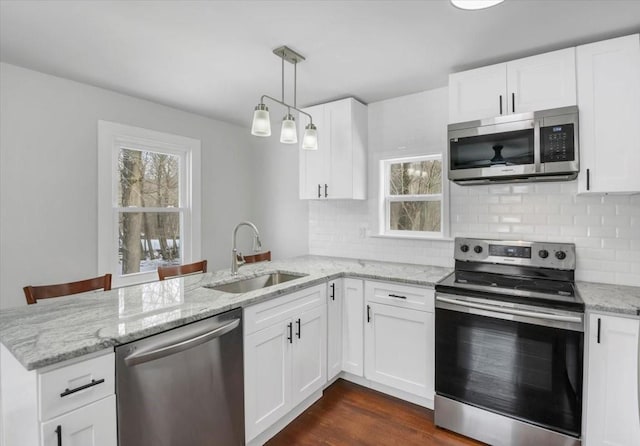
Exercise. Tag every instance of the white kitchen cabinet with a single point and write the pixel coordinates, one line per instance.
(267, 378)
(532, 83)
(93, 425)
(612, 406)
(284, 355)
(353, 327)
(77, 395)
(609, 106)
(399, 339)
(337, 170)
(334, 328)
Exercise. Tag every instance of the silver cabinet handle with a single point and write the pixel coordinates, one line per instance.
(149, 355)
(516, 312)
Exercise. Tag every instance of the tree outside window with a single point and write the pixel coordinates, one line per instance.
(148, 239)
(148, 201)
(412, 202)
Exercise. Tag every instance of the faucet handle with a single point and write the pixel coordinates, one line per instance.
(240, 258)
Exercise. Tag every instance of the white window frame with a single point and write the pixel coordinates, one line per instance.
(111, 138)
(385, 200)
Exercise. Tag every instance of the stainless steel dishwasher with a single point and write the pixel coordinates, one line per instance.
(184, 386)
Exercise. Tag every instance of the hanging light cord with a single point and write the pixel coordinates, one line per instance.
(295, 82)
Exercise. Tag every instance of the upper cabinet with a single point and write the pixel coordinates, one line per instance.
(529, 84)
(609, 105)
(337, 170)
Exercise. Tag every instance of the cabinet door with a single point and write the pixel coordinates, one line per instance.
(267, 377)
(399, 348)
(314, 164)
(477, 94)
(609, 104)
(91, 425)
(542, 82)
(352, 327)
(339, 172)
(334, 329)
(613, 417)
(309, 360)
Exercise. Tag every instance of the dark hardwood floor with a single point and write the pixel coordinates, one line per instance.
(348, 414)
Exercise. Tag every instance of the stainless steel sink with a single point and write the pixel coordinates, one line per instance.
(256, 283)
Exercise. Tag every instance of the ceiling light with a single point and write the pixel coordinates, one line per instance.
(288, 133)
(310, 138)
(261, 125)
(475, 4)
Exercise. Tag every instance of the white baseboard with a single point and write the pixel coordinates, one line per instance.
(420, 401)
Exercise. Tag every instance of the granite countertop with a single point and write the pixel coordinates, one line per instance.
(68, 327)
(610, 298)
(64, 328)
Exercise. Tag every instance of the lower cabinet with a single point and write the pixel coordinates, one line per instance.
(92, 425)
(334, 328)
(285, 361)
(612, 409)
(71, 403)
(398, 338)
(353, 326)
(398, 351)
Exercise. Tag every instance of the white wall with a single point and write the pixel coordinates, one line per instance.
(48, 176)
(281, 217)
(605, 229)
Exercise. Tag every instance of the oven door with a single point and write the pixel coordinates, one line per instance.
(497, 150)
(519, 361)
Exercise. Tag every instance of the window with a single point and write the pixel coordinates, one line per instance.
(412, 203)
(149, 201)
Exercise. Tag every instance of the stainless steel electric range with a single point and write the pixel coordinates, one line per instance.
(509, 344)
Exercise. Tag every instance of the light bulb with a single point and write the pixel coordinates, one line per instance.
(261, 125)
(288, 134)
(310, 138)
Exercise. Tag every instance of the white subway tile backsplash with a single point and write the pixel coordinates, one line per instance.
(605, 229)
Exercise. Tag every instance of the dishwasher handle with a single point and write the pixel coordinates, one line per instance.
(142, 356)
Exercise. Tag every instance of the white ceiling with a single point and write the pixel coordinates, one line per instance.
(215, 58)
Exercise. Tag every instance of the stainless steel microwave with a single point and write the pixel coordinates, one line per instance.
(533, 146)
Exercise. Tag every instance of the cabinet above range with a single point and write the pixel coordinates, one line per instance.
(524, 85)
(337, 169)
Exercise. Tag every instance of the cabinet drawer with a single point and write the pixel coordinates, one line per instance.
(406, 296)
(267, 313)
(75, 385)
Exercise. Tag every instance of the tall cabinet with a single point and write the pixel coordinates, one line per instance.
(609, 105)
(337, 170)
(612, 408)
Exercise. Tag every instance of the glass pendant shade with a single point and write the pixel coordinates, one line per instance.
(475, 4)
(261, 125)
(288, 134)
(310, 138)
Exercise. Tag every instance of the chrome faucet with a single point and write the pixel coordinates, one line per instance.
(257, 245)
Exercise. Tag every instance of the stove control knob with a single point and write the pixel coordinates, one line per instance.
(543, 253)
(464, 248)
(477, 249)
(561, 255)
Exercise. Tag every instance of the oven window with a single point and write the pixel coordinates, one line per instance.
(526, 371)
(501, 149)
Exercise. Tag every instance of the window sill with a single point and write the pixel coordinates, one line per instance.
(414, 237)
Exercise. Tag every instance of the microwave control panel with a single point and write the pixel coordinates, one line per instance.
(557, 143)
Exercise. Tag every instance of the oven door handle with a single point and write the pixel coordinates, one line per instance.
(513, 311)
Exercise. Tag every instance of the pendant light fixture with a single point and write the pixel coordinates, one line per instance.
(261, 125)
(475, 4)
